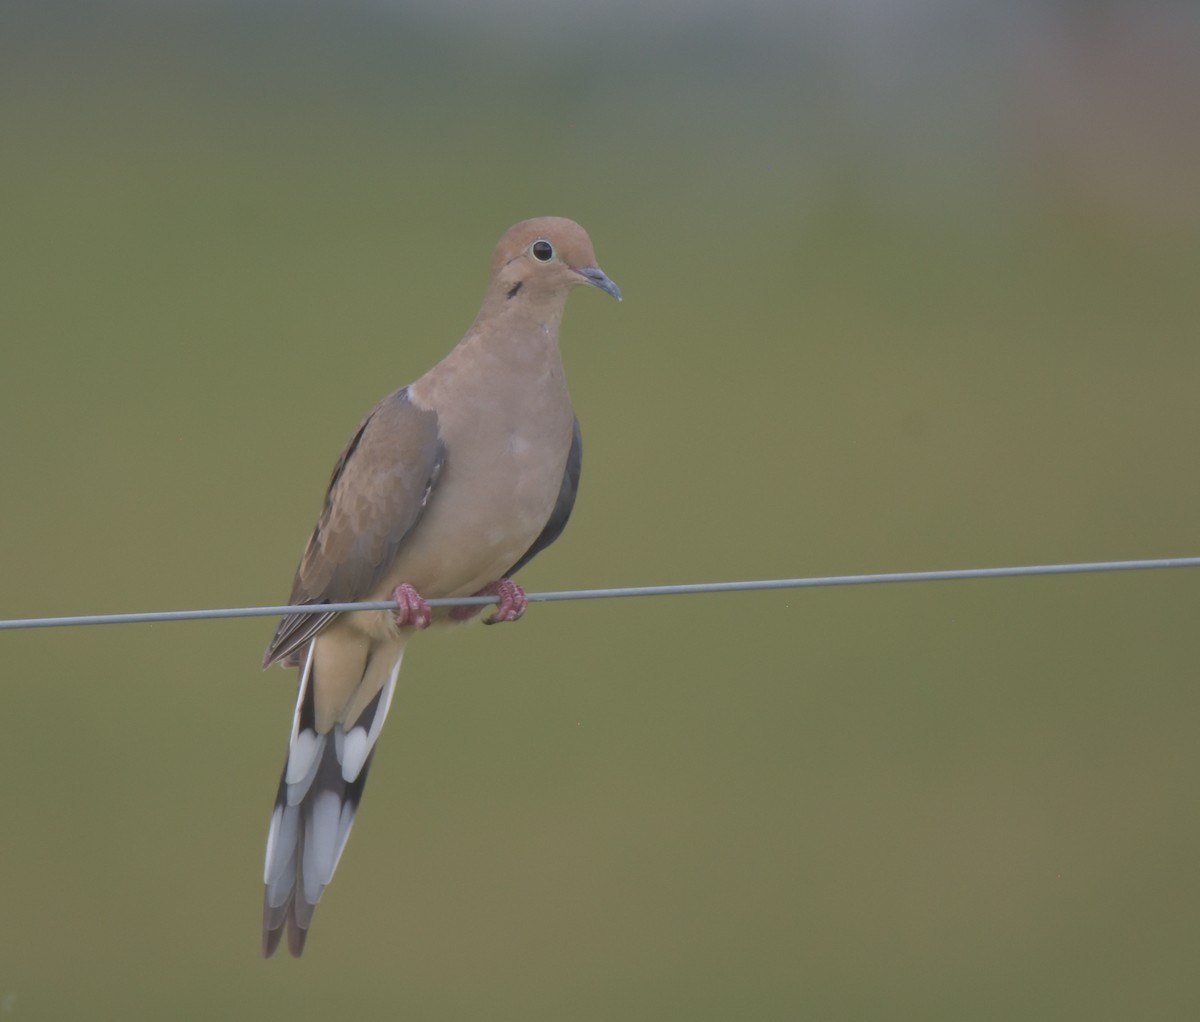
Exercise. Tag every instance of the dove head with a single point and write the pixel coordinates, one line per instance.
(547, 256)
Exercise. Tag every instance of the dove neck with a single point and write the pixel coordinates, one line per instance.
(514, 329)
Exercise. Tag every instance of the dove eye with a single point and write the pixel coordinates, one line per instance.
(543, 251)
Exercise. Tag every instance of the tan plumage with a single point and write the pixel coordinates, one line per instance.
(448, 487)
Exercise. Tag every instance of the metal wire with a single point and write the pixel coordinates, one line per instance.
(604, 594)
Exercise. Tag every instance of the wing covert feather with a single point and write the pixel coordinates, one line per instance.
(377, 493)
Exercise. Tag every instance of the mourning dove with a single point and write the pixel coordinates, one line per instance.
(447, 488)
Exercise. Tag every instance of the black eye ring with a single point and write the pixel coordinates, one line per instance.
(542, 250)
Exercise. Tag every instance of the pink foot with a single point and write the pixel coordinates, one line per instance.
(512, 602)
(412, 609)
(509, 607)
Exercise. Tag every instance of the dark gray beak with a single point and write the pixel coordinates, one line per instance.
(597, 278)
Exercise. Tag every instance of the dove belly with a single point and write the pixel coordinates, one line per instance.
(490, 504)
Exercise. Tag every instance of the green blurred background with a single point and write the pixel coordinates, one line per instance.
(908, 286)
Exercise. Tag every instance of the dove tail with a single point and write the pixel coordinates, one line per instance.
(318, 795)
